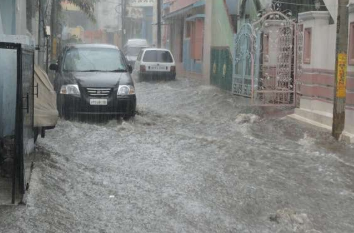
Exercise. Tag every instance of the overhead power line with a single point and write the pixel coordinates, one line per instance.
(304, 4)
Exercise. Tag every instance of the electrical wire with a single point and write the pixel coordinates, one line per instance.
(312, 5)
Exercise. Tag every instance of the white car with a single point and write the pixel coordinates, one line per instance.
(153, 63)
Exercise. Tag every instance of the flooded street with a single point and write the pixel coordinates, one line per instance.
(194, 159)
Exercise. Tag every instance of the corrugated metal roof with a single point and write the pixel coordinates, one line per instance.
(194, 17)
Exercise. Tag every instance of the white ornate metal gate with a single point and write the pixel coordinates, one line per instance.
(265, 60)
(275, 60)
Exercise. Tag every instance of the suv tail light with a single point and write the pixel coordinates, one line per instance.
(142, 68)
(173, 69)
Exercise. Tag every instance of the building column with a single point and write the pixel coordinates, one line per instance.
(207, 41)
(1, 30)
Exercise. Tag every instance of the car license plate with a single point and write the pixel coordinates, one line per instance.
(98, 101)
(158, 68)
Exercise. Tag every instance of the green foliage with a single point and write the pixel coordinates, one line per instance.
(87, 6)
(72, 40)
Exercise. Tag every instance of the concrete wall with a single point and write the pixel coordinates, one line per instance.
(7, 10)
(21, 27)
(317, 79)
(322, 53)
(318, 76)
(13, 17)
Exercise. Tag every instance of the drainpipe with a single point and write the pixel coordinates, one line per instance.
(54, 30)
(1, 30)
(123, 19)
(159, 32)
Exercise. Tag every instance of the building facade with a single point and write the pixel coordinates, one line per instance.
(201, 35)
(184, 34)
(317, 81)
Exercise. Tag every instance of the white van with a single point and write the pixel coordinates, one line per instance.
(155, 63)
(132, 48)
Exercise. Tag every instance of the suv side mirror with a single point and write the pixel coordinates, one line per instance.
(54, 67)
(130, 69)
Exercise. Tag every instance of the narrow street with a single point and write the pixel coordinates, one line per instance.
(194, 159)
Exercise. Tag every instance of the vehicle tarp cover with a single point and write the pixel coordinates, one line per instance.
(45, 103)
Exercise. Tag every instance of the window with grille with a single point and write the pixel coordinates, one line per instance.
(307, 45)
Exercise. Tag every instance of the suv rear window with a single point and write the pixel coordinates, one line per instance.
(157, 56)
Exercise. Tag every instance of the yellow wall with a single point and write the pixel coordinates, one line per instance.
(68, 6)
(78, 32)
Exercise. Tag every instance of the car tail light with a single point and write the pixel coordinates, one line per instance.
(173, 69)
(142, 68)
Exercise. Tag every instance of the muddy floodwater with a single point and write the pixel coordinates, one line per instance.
(194, 159)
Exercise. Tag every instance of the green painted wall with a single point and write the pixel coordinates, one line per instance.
(221, 46)
(222, 31)
(221, 68)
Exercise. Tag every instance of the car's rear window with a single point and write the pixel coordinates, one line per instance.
(157, 56)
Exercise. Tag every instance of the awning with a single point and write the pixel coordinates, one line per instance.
(185, 9)
(166, 5)
(194, 17)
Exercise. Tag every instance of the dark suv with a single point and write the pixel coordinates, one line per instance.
(94, 79)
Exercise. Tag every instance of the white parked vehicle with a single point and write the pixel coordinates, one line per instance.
(155, 63)
(45, 103)
(132, 49)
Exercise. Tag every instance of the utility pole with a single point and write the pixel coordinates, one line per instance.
(54, 29)
(340, 69)
(41, 40)
(159, 23)
(124, 9)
